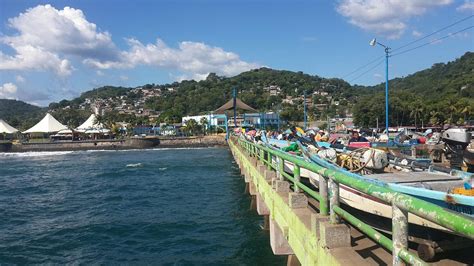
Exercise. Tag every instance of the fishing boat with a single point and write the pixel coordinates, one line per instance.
(432, 184)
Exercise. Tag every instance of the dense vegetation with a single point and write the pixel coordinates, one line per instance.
(20, 114)
(442, 94)
(191, 97)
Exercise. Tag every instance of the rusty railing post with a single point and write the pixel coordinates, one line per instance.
(297, 177)
(333, 201)
(399, 233)
(323, 191)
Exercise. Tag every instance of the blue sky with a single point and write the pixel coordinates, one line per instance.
(51, 50)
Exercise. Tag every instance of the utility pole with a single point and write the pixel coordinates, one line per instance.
(304, 99)
(374, 42)
(234, 95)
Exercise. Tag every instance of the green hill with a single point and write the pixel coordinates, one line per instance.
(441, 94)
(19, 114)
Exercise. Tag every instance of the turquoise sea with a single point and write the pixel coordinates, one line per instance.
(161, 207)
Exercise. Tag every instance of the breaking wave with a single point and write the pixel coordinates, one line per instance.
(34, 154)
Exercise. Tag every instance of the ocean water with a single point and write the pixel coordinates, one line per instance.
(161, 207)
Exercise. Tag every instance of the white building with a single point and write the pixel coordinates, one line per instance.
(256, 120)
(212, 119)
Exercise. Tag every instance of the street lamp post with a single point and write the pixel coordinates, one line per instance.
(305, 119)
(387, 55)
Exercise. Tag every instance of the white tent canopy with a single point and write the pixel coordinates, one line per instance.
(6, 128)
(91, 124)
(47, 125)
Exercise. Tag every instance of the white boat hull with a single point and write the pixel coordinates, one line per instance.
(362, 201)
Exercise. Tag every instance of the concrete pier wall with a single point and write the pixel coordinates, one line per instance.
(294, 227)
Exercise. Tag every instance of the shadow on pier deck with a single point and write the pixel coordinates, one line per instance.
(312, 229)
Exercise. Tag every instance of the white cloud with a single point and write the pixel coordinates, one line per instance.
(196, 59)
(387, 17)
(467, 6)
(46, 36)
(50, 39)
(34, 58)
(123, 77)
(416, 33)
(8, 91)
(100, 73)
(20, 78)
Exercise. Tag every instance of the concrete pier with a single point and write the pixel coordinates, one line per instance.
(298, 230)
(294, 227)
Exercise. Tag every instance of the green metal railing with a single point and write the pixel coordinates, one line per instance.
(328, 198)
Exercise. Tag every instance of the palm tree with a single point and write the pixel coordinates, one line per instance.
(466, 111)
(205, 123)
(434, 117)
(191, 126)
(71, 125)
(416, 112)
(452, 110)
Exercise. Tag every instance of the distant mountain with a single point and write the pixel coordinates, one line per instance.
(19, 114)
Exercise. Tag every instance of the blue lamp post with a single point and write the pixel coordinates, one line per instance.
(234, 97)
(304, 99)
(387, 55)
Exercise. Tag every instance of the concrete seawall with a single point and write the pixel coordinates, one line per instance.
(132, 143)
(185, 142)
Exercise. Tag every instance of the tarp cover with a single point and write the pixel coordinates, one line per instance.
(48, 124)
(230, 105)
(90, 124)
(6, 128)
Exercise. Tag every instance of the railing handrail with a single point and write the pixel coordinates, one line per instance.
(402, 204)
(456, 222)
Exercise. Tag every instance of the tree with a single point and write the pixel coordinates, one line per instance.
(416, 111)
(192, 126)
(204, 123)
(434, 117)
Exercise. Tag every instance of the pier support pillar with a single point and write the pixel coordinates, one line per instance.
(262, 208)
(253, 161)
(335, 235)
(253, 202)
(262, 168)
(269, 175)
(278, 240)
(266, 222)
(316, 220)
(297, 200)
(247, 176)
(246, 191)
(252, 189)
(293, 261)
(281, 186)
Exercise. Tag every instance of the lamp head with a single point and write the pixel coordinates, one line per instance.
(373, 42)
